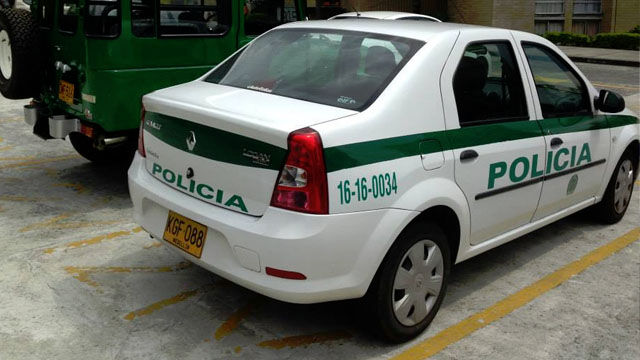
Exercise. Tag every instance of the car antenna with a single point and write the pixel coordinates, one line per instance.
(356, 10)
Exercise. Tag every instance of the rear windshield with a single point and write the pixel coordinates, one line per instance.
(338, 68)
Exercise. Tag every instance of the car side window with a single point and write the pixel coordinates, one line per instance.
(263, 15)
(68, 16)
(560, 90)
(194, 17)
(143, 19)
(45, 13)
(487, 85)
(102, 18)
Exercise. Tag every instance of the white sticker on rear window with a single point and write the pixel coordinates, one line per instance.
(346, 100)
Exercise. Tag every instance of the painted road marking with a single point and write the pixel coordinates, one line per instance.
(304, 340)
(16, 158)
(453, 334)
(234, 320)
(83, 274)
(55, 223)
(39, 161)
(24, 198)
(94, 240)
(5, 148)
(613, 86)
(161, 304)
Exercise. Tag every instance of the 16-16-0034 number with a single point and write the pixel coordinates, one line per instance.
(366, 188)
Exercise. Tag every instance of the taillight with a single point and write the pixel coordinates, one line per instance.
(302, 183)
(141, 133)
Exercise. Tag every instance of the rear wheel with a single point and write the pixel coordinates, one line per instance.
(93, 151)
(616, 198)
(411, 283)
(20, 68)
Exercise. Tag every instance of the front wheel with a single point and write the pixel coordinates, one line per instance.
(411, 283)
(121, 153)
(617, 196)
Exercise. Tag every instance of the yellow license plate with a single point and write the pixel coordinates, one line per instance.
(185, 234)
(65, 92)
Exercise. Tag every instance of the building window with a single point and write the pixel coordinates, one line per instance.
(587, 27)
(545, 26)
(587, 7)
(550, 7)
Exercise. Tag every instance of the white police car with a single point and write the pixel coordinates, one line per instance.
(340, 159)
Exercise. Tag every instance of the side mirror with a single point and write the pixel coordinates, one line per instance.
(609, 101)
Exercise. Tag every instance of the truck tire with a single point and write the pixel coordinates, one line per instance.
(617, 196)
(408, 289)
(20, 68)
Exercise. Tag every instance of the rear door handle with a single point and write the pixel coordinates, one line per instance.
(555, 142)
(468, 155)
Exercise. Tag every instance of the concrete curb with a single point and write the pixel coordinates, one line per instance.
(605, 61)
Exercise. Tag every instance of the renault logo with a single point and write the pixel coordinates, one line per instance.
(191, 140)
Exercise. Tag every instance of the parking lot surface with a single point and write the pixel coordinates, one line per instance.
(80, 280)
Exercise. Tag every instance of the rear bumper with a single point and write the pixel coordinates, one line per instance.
(339, 254)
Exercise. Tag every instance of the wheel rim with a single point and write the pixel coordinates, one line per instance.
(417, 283)
(623, 187)
(5, 54)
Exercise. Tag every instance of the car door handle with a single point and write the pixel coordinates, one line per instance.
(468, 155)
(555, 142)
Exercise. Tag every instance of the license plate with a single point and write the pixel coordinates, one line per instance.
(185, 234)
(65, 92)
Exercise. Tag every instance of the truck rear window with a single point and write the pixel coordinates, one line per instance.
(102, 18)
(68, 16)
(345, 69)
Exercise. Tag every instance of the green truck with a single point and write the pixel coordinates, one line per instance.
(86, 63)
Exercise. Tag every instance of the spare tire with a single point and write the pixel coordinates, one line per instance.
(20, 68)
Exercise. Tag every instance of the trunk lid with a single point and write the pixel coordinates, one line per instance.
(224, 145)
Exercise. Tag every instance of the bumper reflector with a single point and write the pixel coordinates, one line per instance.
(285, 274)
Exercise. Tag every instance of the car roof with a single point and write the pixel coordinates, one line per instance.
(383, 15)
(419, 30)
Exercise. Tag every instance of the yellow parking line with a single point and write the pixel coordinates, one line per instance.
(15, 118)
(304, 340)
(161, 304)
(154, 244)
(55, 223)
(234, 320)
(505, 306)
(79, 188)
(16, 158)
(5, 148)
(39, 161)
(83, 274)
(24, 198)
(614, 86)
(94, 240)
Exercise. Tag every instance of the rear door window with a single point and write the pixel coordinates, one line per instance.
(263, 15)
(488, 86)
(143, 18)
(68, 16)
(195, 17)
(102, 18)
(45, 13)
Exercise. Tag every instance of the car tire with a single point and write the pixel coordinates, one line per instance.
(393, 298)
(121, 153)
(20, 68)
(618, 194)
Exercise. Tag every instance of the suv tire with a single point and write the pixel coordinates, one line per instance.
(424, 285)
(20, 68)
(119, 153)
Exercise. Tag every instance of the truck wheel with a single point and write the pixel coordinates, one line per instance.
(121, 153)
(617, 196)
(20, 68)
(410, 285)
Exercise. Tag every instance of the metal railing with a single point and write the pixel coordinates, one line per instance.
(550, 7)
(587, 7)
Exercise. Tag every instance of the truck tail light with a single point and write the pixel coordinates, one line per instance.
(143, 112)
(302, 183)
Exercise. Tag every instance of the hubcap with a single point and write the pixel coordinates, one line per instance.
(623, 187)
(5, 54)
(417, 283)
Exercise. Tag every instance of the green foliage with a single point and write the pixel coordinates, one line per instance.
(569, 39)
(635, 30)
(627, 41)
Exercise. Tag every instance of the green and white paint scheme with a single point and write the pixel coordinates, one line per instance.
(385, 165)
